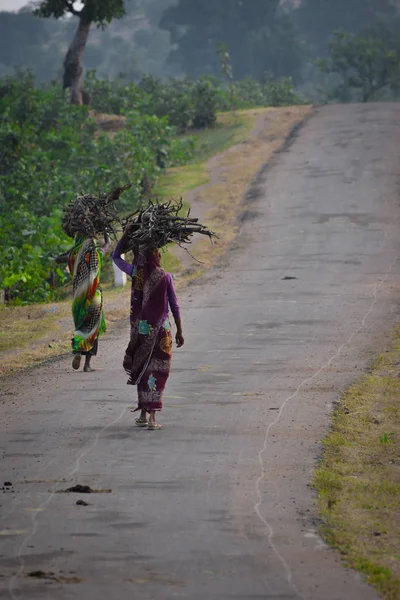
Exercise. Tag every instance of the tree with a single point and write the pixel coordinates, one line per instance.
(369, 62)
(196, 28)
(22, 38)
(99, 12)
(318, 19)
(260, 35)
(225, 64)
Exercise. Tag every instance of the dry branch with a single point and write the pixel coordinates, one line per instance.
(93, 215)
(160, 224)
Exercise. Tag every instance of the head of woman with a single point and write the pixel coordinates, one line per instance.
(154, 258)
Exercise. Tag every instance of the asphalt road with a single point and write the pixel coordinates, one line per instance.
(219, 505)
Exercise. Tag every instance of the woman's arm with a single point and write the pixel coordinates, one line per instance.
(173, 302)
(120, 262)
(107, 244)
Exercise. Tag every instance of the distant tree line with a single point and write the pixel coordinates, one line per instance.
(181, 37)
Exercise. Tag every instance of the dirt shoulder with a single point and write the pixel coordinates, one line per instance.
(30, 335)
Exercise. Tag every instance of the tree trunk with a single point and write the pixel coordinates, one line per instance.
(72, 63)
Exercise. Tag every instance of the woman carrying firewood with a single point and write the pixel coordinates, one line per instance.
(84, 262)
(148, 355)
(86, 219)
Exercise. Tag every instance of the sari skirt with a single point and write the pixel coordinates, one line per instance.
(154, 379)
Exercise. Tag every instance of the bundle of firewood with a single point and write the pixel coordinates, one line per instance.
(92, 215)
(160, 224)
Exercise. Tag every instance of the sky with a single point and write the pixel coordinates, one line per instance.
(12, 4)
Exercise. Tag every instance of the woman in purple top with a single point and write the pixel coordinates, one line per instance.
(148, 355)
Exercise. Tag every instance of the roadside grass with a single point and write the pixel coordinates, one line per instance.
(358, 479)
(230, 129)
(32, 334)
(16, 332)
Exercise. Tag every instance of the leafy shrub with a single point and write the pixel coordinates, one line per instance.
(172, 99)
(250, 93)
(205, 104)
(28, 246)
(52, 150)
(185, 102)
(113, 97)
(279, 92)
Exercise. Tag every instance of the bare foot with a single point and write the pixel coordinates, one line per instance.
(76, 362)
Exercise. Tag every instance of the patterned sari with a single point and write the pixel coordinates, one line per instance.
(148, 356)
(85, 261)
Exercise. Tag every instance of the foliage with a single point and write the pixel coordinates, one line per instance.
(225, 65)
(172, 98)
(39, 44)
(27, 41)
(250, 93)
(100, 12)
(259, 36)
(318, 19)
(205, 104)
(28, 245)
(368, 63)
(113, 97)
(185, 102)
(52, 150)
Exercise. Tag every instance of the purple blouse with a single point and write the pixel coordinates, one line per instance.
(172, 301)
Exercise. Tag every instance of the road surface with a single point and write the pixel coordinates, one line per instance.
(219, 504)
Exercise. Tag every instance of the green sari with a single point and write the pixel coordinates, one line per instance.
(85, 262)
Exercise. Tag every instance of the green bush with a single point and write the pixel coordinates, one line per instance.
(114, 97)
(51, 151)
(205, 104)
(28, 246)
(187, 103)
(172, 99)
(184, 102)
(250, 93)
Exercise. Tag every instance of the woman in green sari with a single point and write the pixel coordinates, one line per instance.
(84, 262)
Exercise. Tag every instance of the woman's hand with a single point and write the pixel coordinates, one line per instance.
(124, 238)
(180, 340)
(127, 230)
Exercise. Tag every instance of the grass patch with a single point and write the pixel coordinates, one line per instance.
(20, 326)
(31, 334)
(230, 129)
(18, 334)
(179, 180)
(358, 480)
